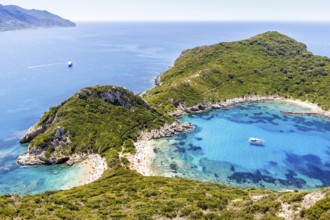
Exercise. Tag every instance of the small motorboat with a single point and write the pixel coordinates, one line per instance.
(256, 140)
(70, 63)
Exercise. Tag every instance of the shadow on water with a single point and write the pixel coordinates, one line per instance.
(257, 144)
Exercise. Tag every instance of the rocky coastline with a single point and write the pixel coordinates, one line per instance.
(32, 159)
(158, 81)
(181, 109)
(167, 130)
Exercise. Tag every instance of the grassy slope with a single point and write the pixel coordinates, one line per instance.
(257, 66)
(269, 63)
(98, 126)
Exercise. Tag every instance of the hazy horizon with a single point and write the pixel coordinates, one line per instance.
(183, 10)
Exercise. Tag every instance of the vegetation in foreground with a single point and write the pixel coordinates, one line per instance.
(270, 63)
(122, 194)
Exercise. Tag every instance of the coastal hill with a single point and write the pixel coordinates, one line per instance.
(15, 18)
(108, 119)
(97, 119)
(267, 64)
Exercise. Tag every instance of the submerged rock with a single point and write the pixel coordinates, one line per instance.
(174, 166)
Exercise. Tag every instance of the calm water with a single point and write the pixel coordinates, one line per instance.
(34, 75)
(295, 154)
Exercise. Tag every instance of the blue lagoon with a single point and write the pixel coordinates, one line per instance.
(295, 154)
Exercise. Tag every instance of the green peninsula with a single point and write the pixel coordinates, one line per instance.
(267, 64)
(108, 119)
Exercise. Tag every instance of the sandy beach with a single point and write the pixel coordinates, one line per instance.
(141, 161)
(312, 106)
(89, 170)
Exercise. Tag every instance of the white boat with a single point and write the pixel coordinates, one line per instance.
(70, 63)
(256, 140)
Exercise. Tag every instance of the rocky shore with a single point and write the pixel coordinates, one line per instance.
(181, 109)
(29, 159)
(167, 130)
(142, 160)
(158, 81)
(32, 159)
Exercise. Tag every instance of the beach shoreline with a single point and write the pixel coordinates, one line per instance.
(142, 160)
(93, 168)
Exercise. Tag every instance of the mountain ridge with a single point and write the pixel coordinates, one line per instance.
(13, 17)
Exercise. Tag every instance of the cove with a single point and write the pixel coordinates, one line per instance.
(295, 154)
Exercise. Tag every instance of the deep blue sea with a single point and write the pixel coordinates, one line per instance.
(34, 75)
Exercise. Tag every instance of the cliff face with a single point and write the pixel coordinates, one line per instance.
(94, 120)
(14, 18)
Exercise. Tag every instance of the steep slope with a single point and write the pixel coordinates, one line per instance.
(267, 64)
(14, 18)
(96, 119)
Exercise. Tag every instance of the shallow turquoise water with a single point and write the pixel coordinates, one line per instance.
(295, 154)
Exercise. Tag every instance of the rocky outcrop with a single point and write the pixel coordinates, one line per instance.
(32, 133)
(37, 129)
(29, 159)
(116, 97)
(158, 81)
(61, 138)
(75, 158)
(38, 155)
(32, 159)
(167, 130)
(39, 159)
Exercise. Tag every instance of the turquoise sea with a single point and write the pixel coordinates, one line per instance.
(295, 154)
(34, 75)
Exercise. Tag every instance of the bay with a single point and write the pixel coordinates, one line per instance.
(294, 154)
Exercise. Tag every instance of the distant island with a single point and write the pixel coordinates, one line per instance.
(16, 18)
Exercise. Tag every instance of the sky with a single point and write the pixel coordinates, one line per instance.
(182, 10)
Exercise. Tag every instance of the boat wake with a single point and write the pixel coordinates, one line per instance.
(45, 65)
